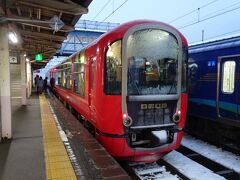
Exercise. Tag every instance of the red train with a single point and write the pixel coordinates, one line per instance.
(130, 85)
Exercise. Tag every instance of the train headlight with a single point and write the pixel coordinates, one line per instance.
(176, 116)
(127, 120)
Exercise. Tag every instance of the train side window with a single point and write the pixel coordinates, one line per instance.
(64, 75)
(68, 77)
(79, 74)
(228, 78)
(113, 69)
(59, 81)
(63, 79)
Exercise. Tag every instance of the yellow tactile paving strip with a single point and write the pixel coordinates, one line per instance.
(58, 165)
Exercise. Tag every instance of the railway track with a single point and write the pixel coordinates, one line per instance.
(174, 166)
(190, 161)
(210, 164)
(147, 171)
(218, 160)
(186, 164)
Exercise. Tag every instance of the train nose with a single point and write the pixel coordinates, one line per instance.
(159, 137)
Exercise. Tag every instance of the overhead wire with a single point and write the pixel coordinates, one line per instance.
(210, 17)
(221, 9)
(114, 11)
(218, 36)
(203, 6)
(104, 6)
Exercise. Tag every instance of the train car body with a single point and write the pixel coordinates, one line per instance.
(214, 91)
(130, 85)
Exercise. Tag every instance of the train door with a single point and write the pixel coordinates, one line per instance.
(228, 87)
(92, 93)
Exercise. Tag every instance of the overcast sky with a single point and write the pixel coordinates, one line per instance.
(216, 17)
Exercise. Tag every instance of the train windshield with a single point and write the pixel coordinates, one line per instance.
(152, 62)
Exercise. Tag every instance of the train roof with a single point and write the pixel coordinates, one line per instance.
(223, 43)
(122, 28)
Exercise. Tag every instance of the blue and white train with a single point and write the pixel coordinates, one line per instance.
(214, 92)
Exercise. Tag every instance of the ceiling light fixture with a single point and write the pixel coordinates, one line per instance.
(13, 37)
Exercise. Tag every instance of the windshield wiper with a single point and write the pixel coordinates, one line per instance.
(136, 87)
(174, 84)
(132, 82)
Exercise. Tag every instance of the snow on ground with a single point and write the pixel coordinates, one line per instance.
(190, 168)
(153, 171)
(214, 153)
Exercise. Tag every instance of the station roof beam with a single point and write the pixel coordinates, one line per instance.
(38, 24)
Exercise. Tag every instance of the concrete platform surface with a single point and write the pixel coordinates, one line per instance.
(23, 157)
(32, 152)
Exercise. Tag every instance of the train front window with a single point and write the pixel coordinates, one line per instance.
(152, 62)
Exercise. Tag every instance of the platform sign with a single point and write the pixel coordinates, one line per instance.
(13, 60)
(38, 57)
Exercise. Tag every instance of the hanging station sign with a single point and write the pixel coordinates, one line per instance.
(38, 57)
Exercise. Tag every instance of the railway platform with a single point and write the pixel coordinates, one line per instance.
(44, 148)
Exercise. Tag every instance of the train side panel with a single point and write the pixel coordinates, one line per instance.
(104, 108)
(203, 84)
(74, 100)
(202, 99)
(214, 92)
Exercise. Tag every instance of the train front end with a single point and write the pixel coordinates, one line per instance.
(154, 98)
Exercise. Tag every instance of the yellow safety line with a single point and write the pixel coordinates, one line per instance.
(58, 165)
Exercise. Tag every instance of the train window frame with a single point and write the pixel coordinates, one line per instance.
(184, 81)
(68, 77)
(151, 71)
(230, 78)
(92, 74)
(118, 71)
(79, 74)
(59, 76)
(65, 70)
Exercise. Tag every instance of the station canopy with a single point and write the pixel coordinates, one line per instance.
(41, 25)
